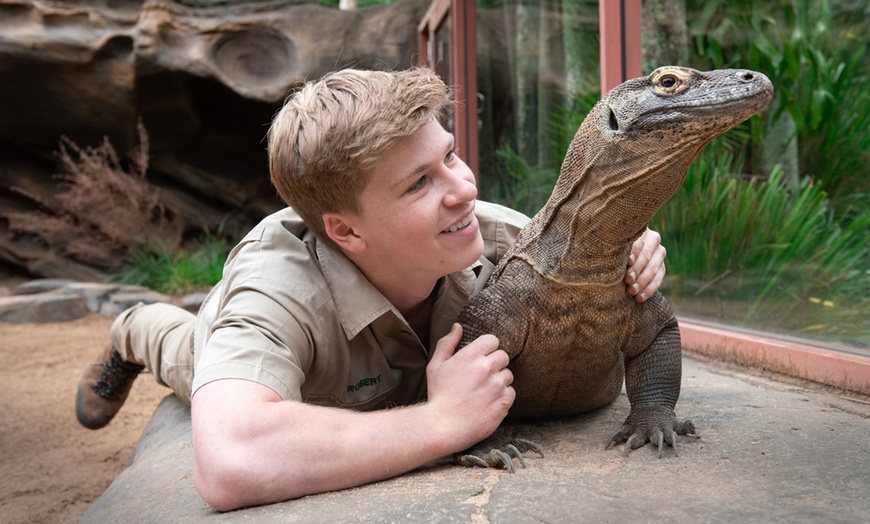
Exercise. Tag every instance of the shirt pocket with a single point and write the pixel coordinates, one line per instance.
(366, 391)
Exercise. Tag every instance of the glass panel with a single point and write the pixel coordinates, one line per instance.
(538, 72)
(771, 229)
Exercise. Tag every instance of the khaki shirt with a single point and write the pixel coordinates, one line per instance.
(301, 319)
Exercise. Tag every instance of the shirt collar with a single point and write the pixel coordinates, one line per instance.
(453, 294)
(358, 303)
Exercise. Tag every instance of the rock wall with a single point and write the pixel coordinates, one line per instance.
(204, 81)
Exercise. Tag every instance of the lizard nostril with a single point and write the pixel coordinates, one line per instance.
(747, 76)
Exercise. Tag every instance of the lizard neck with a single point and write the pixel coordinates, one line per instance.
(605, 196)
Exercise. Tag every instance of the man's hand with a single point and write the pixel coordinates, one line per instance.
(646, 266)
(471, 389)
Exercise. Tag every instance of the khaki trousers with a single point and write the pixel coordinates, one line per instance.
(159, 337)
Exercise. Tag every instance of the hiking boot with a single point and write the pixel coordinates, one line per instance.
(104, 388)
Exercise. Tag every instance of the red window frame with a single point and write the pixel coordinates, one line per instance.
(459, 19)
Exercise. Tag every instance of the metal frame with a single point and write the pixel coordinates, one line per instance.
(462, 73)
(620, 31)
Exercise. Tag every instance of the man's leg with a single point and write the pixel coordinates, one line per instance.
(156, 337)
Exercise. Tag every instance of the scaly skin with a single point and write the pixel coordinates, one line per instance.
(557, 302)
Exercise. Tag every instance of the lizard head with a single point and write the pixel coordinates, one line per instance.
(681, 105)
(633, 150)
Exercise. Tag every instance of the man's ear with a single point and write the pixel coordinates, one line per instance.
(339, 227)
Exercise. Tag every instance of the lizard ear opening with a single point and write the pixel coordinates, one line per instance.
(614, 123)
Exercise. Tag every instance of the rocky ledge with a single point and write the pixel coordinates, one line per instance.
(61, 300)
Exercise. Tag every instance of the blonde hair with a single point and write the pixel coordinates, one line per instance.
(330, 133)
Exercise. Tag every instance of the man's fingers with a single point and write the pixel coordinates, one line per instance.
(446, 346)
(509, 376)
(651, 275)
(485, 345)
(646, 267)
(644, 248)
(636, 250)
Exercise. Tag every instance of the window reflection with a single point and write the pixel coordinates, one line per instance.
(772, 228)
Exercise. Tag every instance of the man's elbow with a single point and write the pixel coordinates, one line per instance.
(220, 484)
(229, 483)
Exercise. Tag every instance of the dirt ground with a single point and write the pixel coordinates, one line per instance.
(52, 469)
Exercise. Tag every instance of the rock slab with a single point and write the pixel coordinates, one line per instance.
(769, 452)
(61, 300)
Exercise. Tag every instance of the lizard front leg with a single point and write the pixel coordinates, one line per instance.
(652, 380)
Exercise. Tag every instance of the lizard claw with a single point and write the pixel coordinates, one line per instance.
(470, 461)
(485, 455)
(514, 452)
(496, 458)
(651, 424)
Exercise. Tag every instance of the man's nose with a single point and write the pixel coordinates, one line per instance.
(463, 187)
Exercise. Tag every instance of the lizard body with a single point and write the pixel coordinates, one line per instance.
(557, 302)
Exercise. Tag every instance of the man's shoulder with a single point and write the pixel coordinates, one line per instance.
(279, 248)
(284, 222)
(497, 213)
(499, 227)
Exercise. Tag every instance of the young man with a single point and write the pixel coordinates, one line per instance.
(347, 300)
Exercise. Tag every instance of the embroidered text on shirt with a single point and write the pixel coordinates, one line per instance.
(363, 383)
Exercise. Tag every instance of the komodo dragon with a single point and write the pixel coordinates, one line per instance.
(556, 300)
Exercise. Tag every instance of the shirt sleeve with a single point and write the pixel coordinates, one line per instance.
(499, 226)
(255, 337)
(259, 323)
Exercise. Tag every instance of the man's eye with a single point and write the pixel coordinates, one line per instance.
(451, 156)
(417, 185)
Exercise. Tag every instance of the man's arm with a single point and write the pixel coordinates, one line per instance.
(646, 266)
(251, 447)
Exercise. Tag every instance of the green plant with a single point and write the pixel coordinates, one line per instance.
(526, 188)
(520, 186)
(174, 271)
(815, 54)
(758, 254)
(811, 248)
(764, 239)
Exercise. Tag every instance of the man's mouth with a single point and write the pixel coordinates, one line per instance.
(459, 225)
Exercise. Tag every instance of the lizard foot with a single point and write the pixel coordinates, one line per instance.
(488, 455)
(651, 424)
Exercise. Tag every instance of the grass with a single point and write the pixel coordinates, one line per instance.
(177, 271)
(788, 258)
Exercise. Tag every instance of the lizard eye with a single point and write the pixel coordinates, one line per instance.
(668, 81)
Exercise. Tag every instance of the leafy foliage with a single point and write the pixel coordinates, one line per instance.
(174, 271)
(817, 58)
(751, 240)
(521, 187)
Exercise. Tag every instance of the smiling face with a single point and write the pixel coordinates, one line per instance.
(416, 221)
